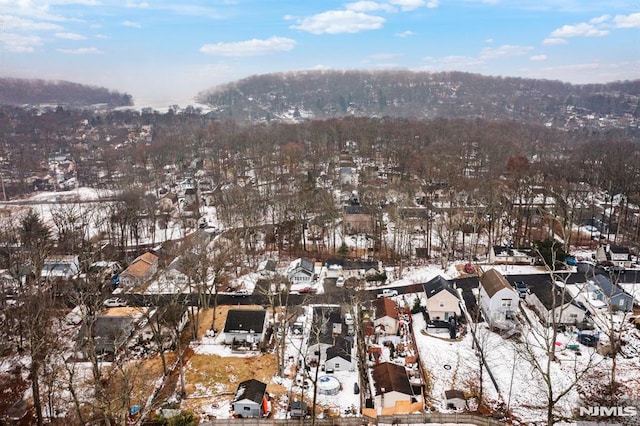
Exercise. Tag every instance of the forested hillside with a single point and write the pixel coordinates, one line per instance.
(15, 91)
(326, 94)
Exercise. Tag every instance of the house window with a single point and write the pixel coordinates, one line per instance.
(441, 304)
(506, 303)
(621, 302)
(337, 367)
(246, 408)
(573, 316)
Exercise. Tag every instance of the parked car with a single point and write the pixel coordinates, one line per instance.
(521, 288)
(241, 293)
(340, 282)
(311, 290)
(114, 302)
(388, 292)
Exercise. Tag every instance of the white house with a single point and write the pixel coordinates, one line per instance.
(60, 267)
(251, 399)
(442, 299)
(619, 256)
(559, 307)
(501, 255)
(301, 271)
(392, 387)
(498, 299)
(245, 325)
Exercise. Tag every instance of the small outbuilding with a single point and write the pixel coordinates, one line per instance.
(455, 400)
(251, 399)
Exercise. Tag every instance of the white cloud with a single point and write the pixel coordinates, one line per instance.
(627, 21)
(600, 19)
(131, 24)
(504, 50)
(405, 34)
(370, 6)
(433, 4)
(251, 47)
(70, 36)
(538, 58)
(17, 43)
(407, 5)
(580, 30)
(81, 51)
(10, 22)
(489, 40)
(137, 4)
(550, 41)
(339, 21)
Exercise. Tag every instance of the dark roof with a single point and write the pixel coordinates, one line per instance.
(307, 264)
(544, 293)
(252, 390)
(353, 264)
(108, 332)
(619, 249)
(245, 320)
(453, 393)
(323, 319)
(493, 281)
(436, 285)
(338, 351)
(390, 377)
(357, 210)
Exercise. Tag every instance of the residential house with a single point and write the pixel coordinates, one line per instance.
(338, 357)
(443, 301)
(393, 391)
(301, 271)
(501, 255)
(498, 299)
(385, 317)
(612, 294)
(251, 399)
(110, 334)
(357, 219)
(551, 304)
(245, 325)
(619, 256)
(326, 330)
(455, 400)
(60, 267)
(139, 271)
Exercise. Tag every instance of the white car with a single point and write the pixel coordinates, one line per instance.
(114, 302)
(340, 282)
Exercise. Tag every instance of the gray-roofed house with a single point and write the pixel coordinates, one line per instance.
(563, 307)
(338, 357)
(442, 299)
(610, 293)
(619, 256)
(326, 329)
(301, 271)
(245, 325)
(251, 399)
(110, 333)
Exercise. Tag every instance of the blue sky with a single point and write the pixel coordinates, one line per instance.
(165, 51)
